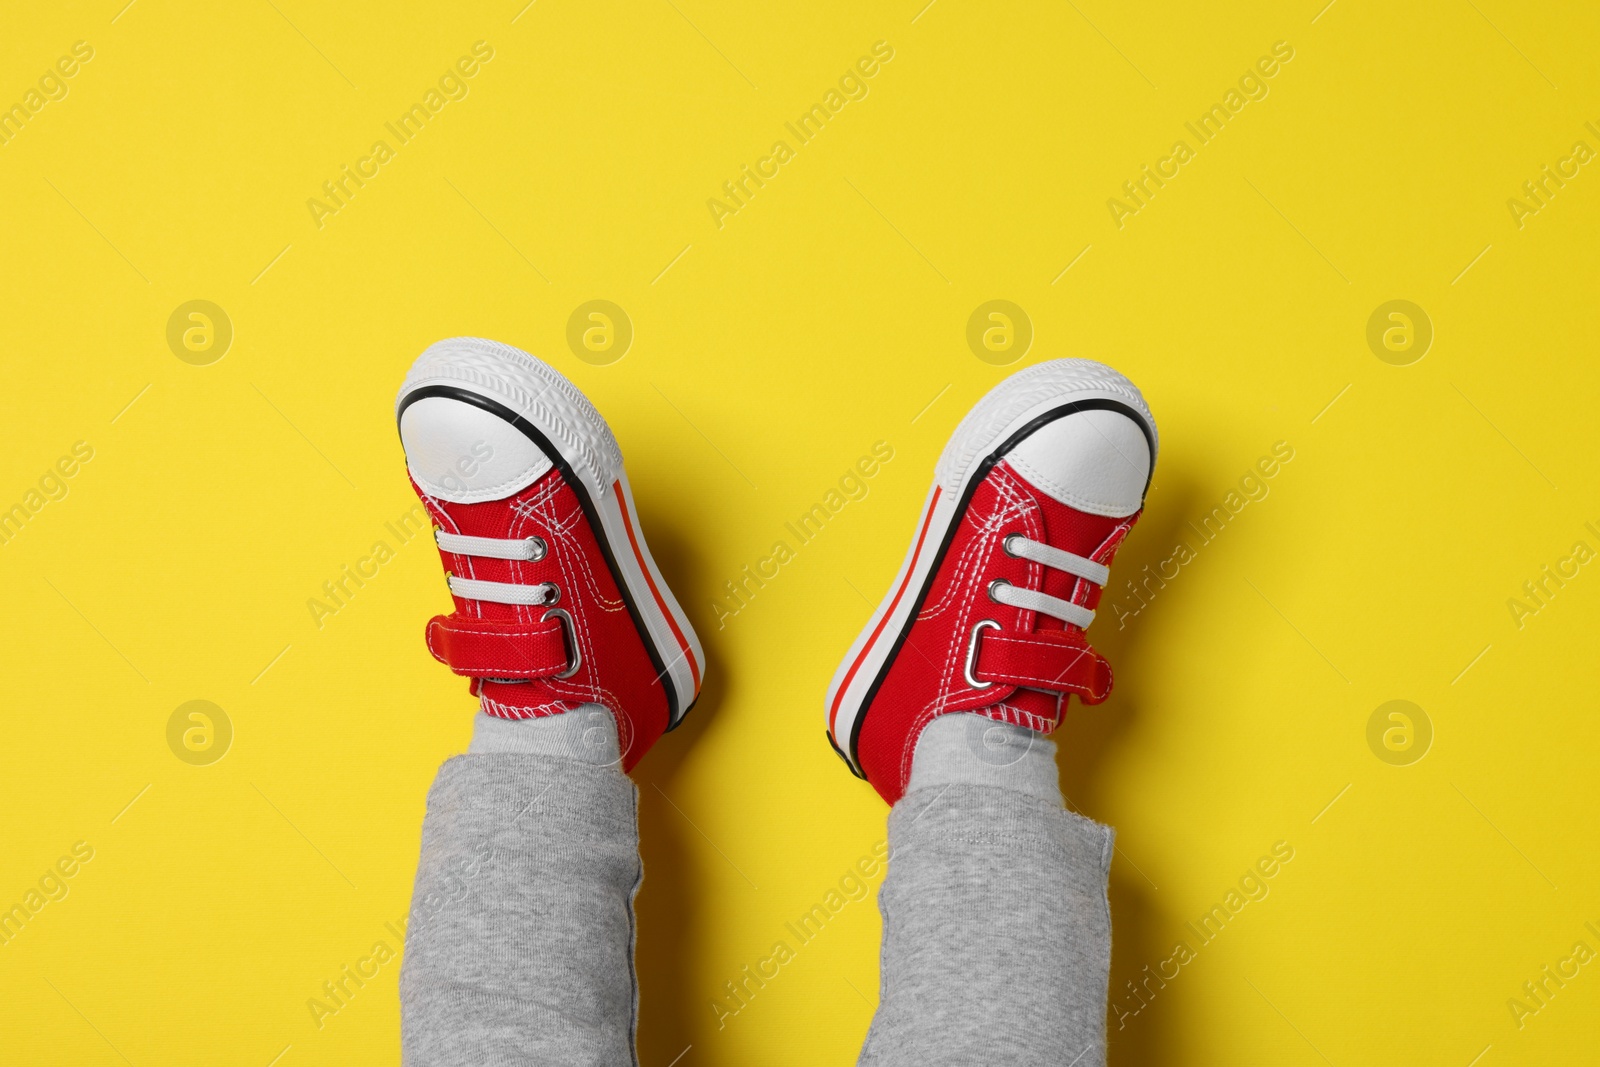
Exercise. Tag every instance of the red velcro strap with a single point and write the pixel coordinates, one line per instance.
(479, 648)
(1048, 659)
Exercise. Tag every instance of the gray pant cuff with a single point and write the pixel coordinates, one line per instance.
(519, 944)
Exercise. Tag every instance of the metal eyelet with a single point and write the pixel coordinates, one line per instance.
(538, 548)
(1006, 545)
(992, 585)
(572, 641)
(972, 652)
(553, 591)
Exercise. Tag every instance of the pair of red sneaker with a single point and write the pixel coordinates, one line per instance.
(558, 602)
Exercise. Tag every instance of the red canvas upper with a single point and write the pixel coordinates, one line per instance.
(515, 653)
(1032, 660)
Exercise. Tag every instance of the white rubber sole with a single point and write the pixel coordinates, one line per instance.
(531, 394)
(994, 425)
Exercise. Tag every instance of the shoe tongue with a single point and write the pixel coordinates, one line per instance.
(1093, 536)
(1066, 528)
(508, 517)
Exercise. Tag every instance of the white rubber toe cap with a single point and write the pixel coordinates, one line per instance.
(1027, 403)
(459, 452)
(530, 389)
(1096, 461)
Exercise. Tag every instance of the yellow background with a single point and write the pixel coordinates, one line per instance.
(769, 354)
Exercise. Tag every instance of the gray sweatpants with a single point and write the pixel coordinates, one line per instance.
(519, 948)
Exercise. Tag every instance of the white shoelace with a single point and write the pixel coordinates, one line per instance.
(528, 548)
(524, 548)
(1003, 592)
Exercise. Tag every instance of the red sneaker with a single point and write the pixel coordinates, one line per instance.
(558, 602)
(1031, 497)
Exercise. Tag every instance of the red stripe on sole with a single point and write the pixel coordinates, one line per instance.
(922, 535)
(633, 541)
